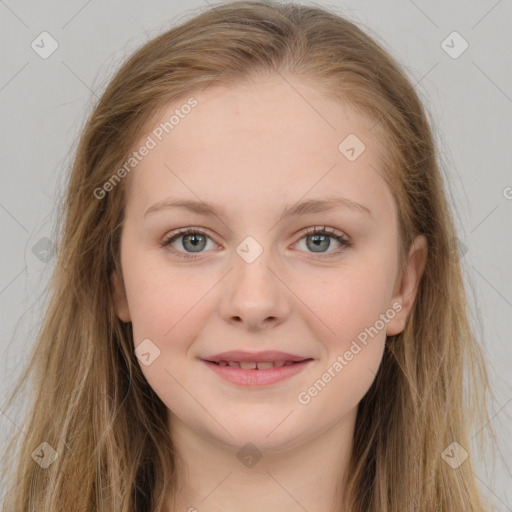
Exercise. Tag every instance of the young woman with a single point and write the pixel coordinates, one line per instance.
(256, 304)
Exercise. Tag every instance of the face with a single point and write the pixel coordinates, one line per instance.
(249, 278)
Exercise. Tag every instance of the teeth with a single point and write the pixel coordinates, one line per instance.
(251, 365)
(265, 366)
(247, 365)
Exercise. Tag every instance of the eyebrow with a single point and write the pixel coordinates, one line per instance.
(328, 204)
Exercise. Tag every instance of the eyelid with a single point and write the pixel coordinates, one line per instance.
(324, 229)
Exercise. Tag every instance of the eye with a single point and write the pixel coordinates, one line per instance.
(194, 240)
(319, 238)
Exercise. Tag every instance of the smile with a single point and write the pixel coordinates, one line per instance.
(251, 365)
(252, 373)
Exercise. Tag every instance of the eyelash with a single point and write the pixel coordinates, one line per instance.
(345, 242)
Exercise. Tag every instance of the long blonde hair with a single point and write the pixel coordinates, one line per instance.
(90, 401)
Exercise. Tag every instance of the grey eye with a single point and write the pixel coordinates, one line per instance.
(195, 242)
(321, 242)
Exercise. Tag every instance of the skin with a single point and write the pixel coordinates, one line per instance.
(253, 149)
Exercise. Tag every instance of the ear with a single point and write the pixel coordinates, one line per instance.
(407, 284)
(120, 301)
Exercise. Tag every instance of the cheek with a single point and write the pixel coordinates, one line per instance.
(166, 308)
(353, 308)
(349, 301)
(161, 299)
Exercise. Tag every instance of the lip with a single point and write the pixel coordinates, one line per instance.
(256, 378)
(256, 357)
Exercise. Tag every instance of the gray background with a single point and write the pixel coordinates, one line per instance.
(44, 103)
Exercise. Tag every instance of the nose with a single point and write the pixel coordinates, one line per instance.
(254, 294)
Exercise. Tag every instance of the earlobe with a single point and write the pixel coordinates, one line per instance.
(120, 300)
(408, 286)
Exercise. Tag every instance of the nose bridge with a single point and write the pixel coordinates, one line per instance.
(254, 293)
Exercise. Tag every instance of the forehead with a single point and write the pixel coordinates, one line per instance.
(272, 140)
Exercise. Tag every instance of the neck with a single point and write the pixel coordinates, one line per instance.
(303, 475)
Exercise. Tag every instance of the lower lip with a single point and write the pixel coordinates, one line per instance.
(257, 377)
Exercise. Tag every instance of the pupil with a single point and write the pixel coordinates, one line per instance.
(195, 239)
(318, 239)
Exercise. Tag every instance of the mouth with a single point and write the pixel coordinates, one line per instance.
(255, 374)
(256, 365)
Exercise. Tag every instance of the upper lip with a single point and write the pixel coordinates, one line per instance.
(257, 357)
